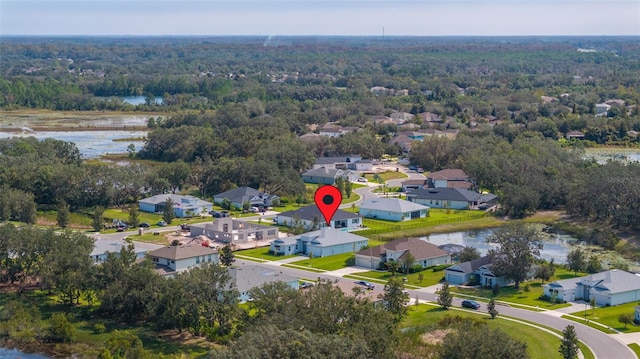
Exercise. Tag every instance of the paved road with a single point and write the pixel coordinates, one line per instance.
(603, 346)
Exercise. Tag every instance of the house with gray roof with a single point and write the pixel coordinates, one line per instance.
(477, 271)
(448, 178)
(354, 163)
(170, 260)
(610, 287)
(392, 209)
(103, 246)
(413, 184)
(310, 217)
(322, 243)
(247, 277)
(183, 206)
(239, 196)
(454, 198)
(425, 254)
(229, 230)
(324, 175)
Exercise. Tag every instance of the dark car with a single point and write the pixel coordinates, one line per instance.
(144, 225)
(304, 285)
(122, 228)
(470, 304)
(369, 286)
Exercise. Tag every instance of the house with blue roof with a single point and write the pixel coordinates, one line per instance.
(322, 243)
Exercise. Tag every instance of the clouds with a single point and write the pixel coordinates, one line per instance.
(315, 17)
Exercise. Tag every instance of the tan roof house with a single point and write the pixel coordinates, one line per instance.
(426, 254)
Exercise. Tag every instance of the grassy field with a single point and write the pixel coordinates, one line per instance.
(540, 344)
(437, 227)
(262, 254)
(325, 263)
(609, 316)
(636, 349)
(385, 176)
(429, 277)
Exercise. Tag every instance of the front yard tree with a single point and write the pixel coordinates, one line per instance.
(545, 271)
(569, 343)
(97, 219)
(226, 256)
(134, 216)
(395, 297)
(167, 212)
(340, 184)
(625, 318)
(62, 216)
(393, 266)
(407, 262)
(444, 296)
(348, 188)
(518, 246)
(594, 265)
(491, 308)
(576, 261)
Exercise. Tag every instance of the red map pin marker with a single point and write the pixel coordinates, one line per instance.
(328, 199)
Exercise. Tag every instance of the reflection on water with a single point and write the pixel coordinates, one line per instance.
(16, 354)
(555, 247)
(602, 155)
(91, 144)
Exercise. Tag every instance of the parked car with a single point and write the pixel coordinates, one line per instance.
(185, 227)
(254, 209)
(144, 225)
(412, 168)
(369, 286)
(304, 285)
(470, 304)
(420, 170)
(162, 224)
(122, 228)
(224, 214)
(362, 179)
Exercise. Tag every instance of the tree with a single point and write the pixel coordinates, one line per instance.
(545, 271)
(97, 219)
(61, 329)
(407, 262)
(123, 344)
(420, 277)
(348, 188)
(468, 254)
(167, 211)
(340, 184)
(518, 246)
(134, 216)
(594, 265)
(395, 297)
(226, 256)
(576, 261)
(393, 266)
(473, 340)
(444, 296)
(491, 308)
(62, 216)
(625, 318)
(569, 343)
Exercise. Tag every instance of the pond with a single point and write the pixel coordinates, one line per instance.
(602, 155)
(91, 144)
(555, 246)
(16, 354)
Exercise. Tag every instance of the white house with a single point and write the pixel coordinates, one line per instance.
(183, 206)
(229, 230)
(454, 198)
(601, 109)
(174, 259)
(241, 195)
(425, 254)
(611, 287)
(247, 277)
(392, 209)
(310, 215)
(102, 247)
(322, 243)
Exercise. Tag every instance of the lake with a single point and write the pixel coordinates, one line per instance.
(555, 246)
(91, 144)
(602, 155)
(16, 354)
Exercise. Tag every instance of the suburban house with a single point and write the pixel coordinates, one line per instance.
(448, 178)
(321, 243)
(454, 198)
(229, 230)
(102, 247)
(601, 109)
(310, 216)
(354, 163)
(247, 277)
(241, 195)
(174, 259)
(575, 135)
(403, 141)
(610, 287)
(410, 185)
(477, 271)
(402, 117)
(392, 209)
(324, 175)
(183, 206)
(425, 253)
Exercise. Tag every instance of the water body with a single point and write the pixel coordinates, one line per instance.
(16, 354)
(555, 246)
(91, 144)
(602, 155)
(139, 100)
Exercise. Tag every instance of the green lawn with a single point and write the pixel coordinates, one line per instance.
(510, 294)
(540, 344)
(636, 349)
(262, 254)
(609, 317)
(429, 277)
(325, 263)
(436, 216)
(385, 176)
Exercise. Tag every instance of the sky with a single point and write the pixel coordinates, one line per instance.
(320, 17)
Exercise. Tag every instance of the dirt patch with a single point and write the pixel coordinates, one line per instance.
(186, 338)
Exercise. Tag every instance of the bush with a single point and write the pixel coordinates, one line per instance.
(61, 329)
(544, 297)
(441, 267)
(526, 288)
(99, 328)
(351, 261)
